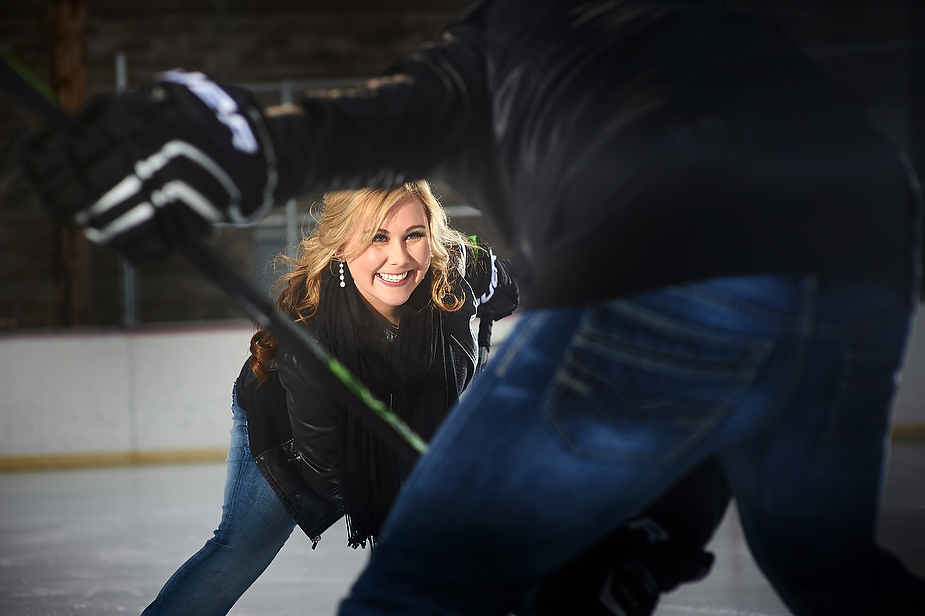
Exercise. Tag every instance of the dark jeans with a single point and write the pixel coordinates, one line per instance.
(590, 413)
(254, 527)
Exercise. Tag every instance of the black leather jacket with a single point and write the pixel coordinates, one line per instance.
(293, 421)
(623, 145)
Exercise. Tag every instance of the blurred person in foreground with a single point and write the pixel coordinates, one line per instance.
(720, 255)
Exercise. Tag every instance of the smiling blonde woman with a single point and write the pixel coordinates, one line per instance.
(386, 285)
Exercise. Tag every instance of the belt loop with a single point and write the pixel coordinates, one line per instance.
(809, 298)
(918, 221)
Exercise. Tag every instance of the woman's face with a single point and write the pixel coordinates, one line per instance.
(396, 261)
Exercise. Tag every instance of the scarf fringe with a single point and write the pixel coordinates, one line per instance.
(371, 481)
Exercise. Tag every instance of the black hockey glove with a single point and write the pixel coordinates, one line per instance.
(146, 170)
(491, 281)
(496, 292)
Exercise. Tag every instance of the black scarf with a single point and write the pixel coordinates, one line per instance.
(410, 374)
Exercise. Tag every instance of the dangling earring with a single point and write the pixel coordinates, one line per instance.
(340, 269)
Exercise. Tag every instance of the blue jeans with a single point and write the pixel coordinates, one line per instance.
(254, 527)
(590, 413)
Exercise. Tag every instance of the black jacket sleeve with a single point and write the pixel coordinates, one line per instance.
(314, 416)
(419, 119)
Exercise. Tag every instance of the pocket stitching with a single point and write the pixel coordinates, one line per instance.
(754, 353)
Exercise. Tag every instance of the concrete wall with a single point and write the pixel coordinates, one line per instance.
(163, 395)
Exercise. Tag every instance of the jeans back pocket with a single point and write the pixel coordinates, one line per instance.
(639, 387)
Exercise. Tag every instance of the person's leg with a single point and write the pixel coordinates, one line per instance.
(808, 488)
(587, 416)
(253, 528)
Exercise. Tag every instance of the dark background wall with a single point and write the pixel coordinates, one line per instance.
(875, 49)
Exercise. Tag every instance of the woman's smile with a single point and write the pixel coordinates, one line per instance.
(393, 279)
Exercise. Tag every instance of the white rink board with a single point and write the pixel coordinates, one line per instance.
(149, 390)
(170, 389)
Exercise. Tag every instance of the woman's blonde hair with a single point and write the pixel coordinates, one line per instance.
(344, 212)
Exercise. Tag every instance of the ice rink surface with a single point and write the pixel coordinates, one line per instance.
(103, 541)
